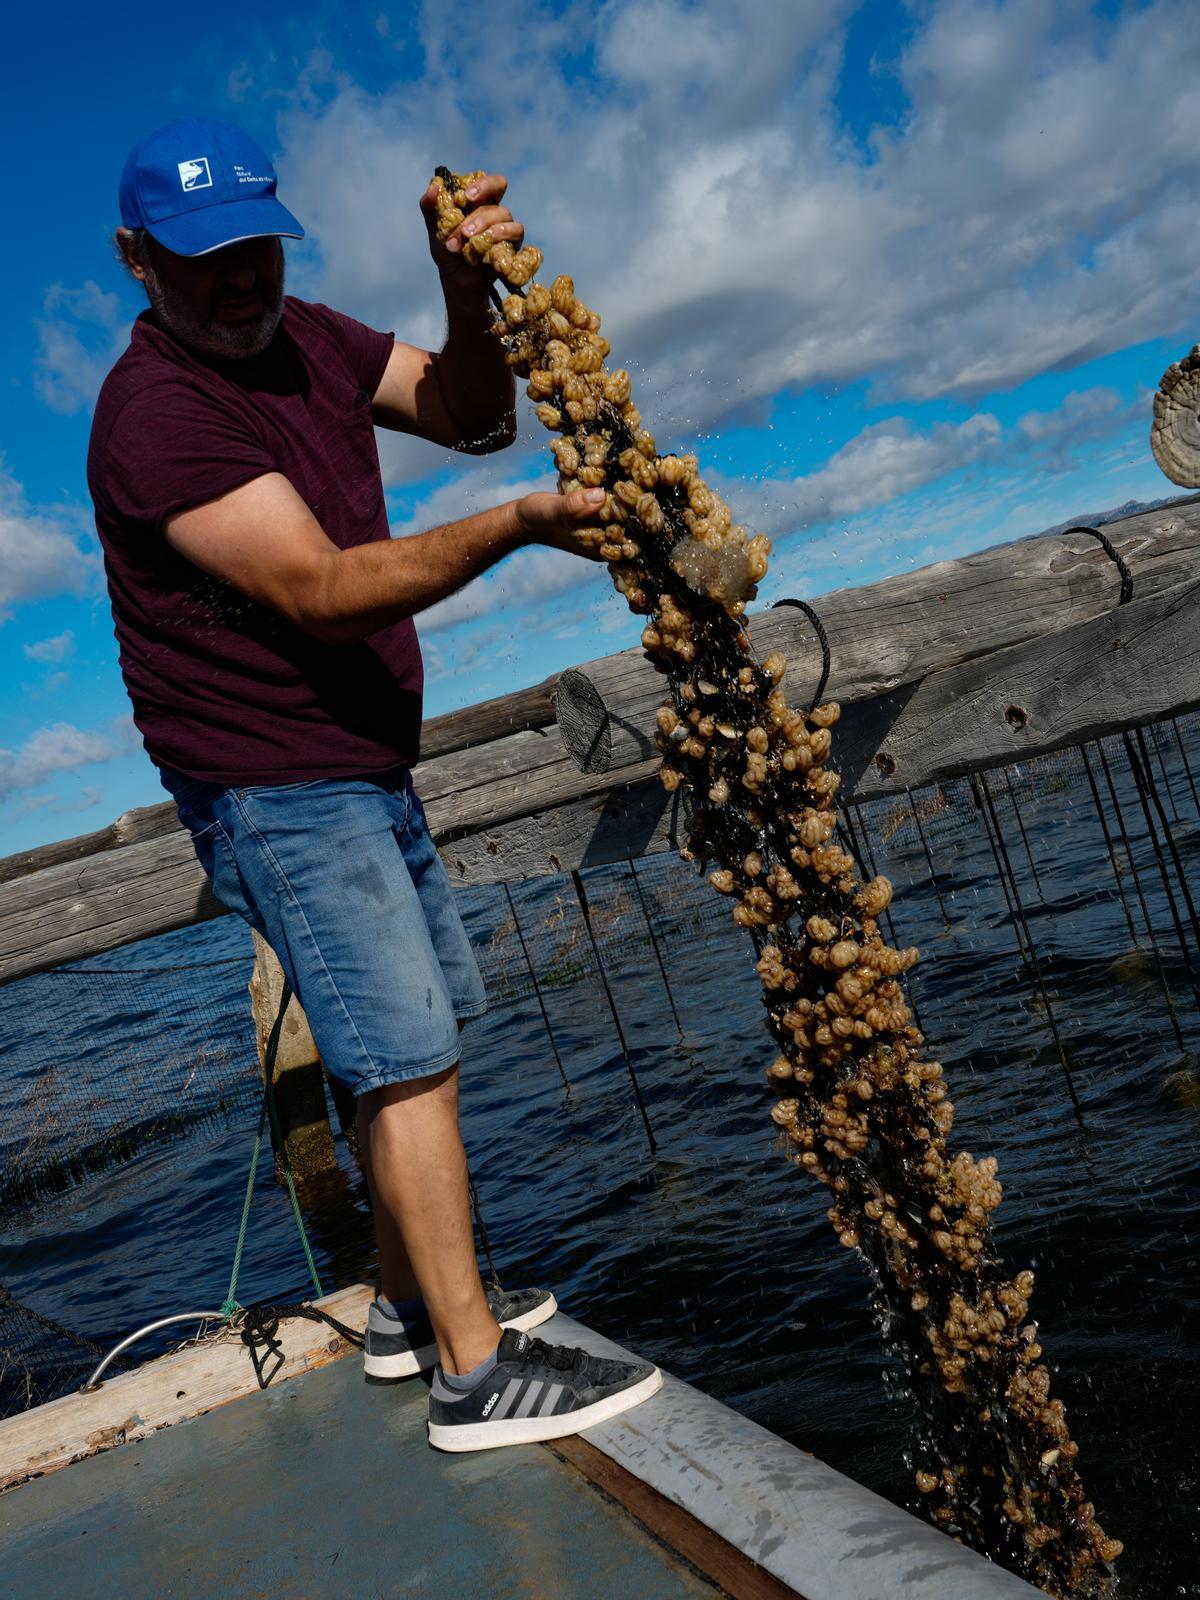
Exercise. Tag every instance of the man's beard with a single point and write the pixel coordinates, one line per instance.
(232, 340)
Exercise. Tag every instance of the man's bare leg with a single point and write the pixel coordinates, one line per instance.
(417, 1172)
(397, 1280)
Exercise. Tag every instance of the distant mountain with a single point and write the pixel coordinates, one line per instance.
(1093, 519)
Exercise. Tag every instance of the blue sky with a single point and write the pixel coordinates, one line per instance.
(905, 276)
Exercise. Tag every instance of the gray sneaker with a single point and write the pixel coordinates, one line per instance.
(394, 1350)
(535, 1391)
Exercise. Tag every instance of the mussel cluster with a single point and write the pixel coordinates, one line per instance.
(859, 1104)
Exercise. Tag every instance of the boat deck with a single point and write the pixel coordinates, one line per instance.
(323, 1486)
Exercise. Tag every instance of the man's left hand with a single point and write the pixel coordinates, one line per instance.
(486, 214)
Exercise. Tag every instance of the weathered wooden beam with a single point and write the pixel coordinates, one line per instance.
(633, 816)
(80, 908)
(441, 736)
(490, 719)
(1042, 696)
(131, 827)
(929, 665)
(1131, 666)
(894, 633)
(1134, 666)
(169, 1390)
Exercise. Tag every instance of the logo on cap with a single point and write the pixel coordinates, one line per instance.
(195, 174)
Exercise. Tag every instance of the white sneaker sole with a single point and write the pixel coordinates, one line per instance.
(391, 1369)
(536, 1430)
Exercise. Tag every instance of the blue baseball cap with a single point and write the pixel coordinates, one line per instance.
(197, 185)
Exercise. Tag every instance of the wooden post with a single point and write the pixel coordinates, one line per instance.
(345, 1106)
(299, 1079)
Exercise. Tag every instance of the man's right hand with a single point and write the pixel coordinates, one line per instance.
(556, 520)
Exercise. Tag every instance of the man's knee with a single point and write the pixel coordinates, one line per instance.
(442, 1085)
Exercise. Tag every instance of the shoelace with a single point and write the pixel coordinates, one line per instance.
(559, 1357)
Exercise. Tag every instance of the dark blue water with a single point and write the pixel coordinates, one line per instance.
(713, 1256)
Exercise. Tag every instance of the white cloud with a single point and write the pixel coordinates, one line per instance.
(58, 748)
(62, 747)
(40, 552)
(54, 806)
(239, 85)
(57, 648)
(487, 482)
(524, 579)
(892, 459)
(90, 795)
(881, 469)
(50, 685)
(884, 462)
(82, 333)
(1024, 215)
(1084, 417)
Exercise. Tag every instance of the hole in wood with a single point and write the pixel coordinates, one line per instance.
(886, 763)
(1017, 717)
(583, 722)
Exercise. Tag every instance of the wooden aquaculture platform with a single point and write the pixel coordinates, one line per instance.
(323, 1486)
(955, 668)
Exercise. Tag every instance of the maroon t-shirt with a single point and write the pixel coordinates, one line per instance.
(223, 688)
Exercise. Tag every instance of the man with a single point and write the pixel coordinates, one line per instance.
(264, 616)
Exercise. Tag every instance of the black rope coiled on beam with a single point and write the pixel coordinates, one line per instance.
(1114, 555)
(259, 1328)
(822, 640)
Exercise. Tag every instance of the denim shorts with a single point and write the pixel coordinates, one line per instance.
(343, 881)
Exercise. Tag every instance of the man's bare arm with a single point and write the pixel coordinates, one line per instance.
(463, 395)
(263, 539)
(419, 388)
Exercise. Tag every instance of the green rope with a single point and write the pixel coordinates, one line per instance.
(230, 1305)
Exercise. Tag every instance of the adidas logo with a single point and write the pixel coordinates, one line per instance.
(491, 1403)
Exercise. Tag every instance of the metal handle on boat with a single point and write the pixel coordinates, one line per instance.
(151, 1327)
